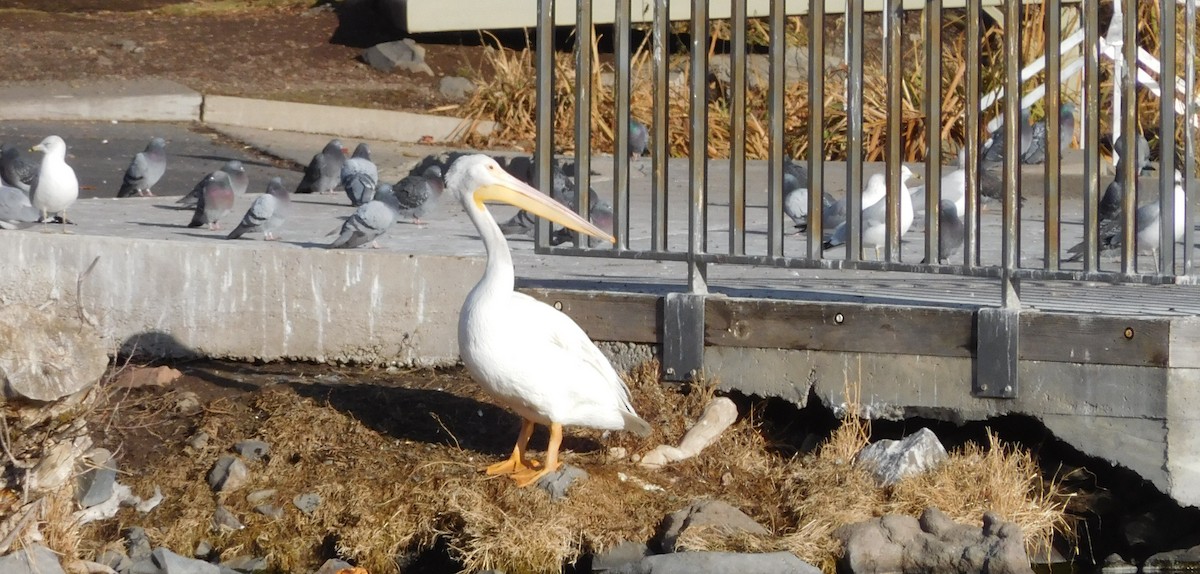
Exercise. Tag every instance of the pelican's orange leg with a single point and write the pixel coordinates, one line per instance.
(530, 476)
(517, 462)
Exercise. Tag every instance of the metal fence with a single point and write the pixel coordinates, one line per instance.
(1172, 266)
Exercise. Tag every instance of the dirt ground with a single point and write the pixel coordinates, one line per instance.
(286, 50)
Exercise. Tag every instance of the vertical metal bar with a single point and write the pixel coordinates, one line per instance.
(737, 131)
(624, 70)
(658, 130)
(854, 124)
(583, 110)
(776, 118)
(1129, 128)
(816, 121)
(933, 127)
(893, 17)
(1012, 157)
(1091, 134)
(1189, 131)
(1053, 208)
(1166, 138)
(971, 205)
(544, 148)
(698, 162)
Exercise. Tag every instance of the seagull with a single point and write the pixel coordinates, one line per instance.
(56, 187)
(992, 150)
(16, 211)
(639, 138)
(874, 214)
(418, 194)
(528, 356)
(15, 170)
(371, 220)
(324, 172)
(237, 179)
(215, 201)
(360, 176)
(146, 168)
(267, 212)
(1147, 221)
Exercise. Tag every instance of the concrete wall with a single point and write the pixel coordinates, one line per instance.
(230, 300)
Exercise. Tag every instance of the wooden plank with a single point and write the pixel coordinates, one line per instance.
(626, 317)
(1064, 338)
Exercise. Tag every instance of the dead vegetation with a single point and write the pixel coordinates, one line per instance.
(385, 496)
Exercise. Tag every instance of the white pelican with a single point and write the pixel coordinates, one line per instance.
(531, 357)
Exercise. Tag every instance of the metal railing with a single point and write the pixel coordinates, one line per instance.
(1172, 265)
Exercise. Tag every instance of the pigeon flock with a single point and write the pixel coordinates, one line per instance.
(42, 191)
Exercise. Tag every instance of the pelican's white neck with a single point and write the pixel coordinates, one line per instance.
(498, 277)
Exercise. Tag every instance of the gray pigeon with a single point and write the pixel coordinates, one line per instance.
(562, 188)
(215, 201)
(360, 176)
(992, 150)
(267, 212)
(146, 168)
(1147, 221)
(795, 198)
(370, 221)
(15, 170)
(639, 138)
(950, 230)
(1114, 195)
(417, 195)
(600, 213)
(324, 172)
(16, 211)
(237, 179)
(1037, 149)
(1142, 150)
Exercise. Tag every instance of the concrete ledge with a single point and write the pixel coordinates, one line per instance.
(238, 301)
(142, 100)
(342, 122)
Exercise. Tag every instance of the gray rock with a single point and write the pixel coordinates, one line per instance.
(246, 564)
(269, 510)
(199, 440)
(1182, 560)
(225, 519)
(404, 54)
(1114, 564)
(31, 560)
(137, 544)
(255, 450)
(556, 483)
(933, 543)
(711, 513)
(719, 563)
(95, 485)
(621, 556)
(229, 473)
(333, 566)
(168, 562)
(260, 496)
(307, 503)
(890, 461)
(456, 88)
(114, 559)
(45, 355)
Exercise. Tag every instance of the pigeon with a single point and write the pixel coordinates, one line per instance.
(1036, 154)
(15, 170)
(56, 187)
(417, 195)
(562, 188)
(360, 176)
(215, 201)
(950, 230)
(16, 211)
(370, 221)
(237, 179)
(600, 213)
(1148, 221)
(1142, 150)
(795, 198)
(324, 172)
(1114, 194)
(146, 168)
(267, 212)
(992, 150)
(639, 138)
(874, 191)
(874, 214)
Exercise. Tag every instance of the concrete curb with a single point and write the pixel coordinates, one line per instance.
(142, 100)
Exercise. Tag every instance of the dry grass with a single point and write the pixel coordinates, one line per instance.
(383, 496)
(218, 7)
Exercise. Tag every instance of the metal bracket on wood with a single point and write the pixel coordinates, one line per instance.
(683, 336)
(997, 342)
